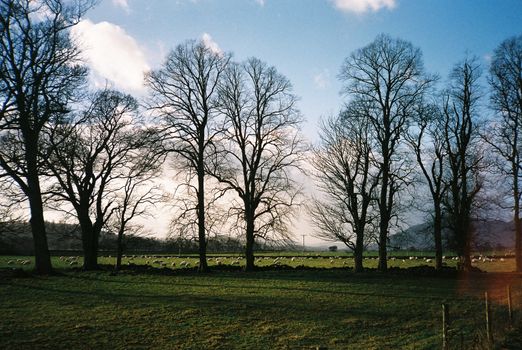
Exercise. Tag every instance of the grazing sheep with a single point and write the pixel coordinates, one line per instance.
(428, 261)
(502, 259)
(412, 258)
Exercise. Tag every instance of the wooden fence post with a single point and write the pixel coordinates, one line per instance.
(445, 319)
(488, 320)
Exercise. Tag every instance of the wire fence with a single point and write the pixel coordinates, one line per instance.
(487, 328)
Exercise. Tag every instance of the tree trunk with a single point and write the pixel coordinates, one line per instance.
(119, 250)
(358, 252)
(383, 211)
(464, 247)
(437, 235)
(518, 243)
(203, 266)
(249, 248)
(358, 260)
(90, 248)
(383, 229)
(42, 256)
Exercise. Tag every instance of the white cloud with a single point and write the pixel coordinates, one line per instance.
(211, 44)
(322, 79)
(261, 2)
(112, 55)
(362, 6)
(124, 4)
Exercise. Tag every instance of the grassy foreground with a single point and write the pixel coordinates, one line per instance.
(284, 309)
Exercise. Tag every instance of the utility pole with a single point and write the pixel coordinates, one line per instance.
(303, 242)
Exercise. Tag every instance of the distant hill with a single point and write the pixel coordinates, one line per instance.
(488, 235)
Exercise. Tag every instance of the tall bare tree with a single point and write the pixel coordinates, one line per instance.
(427, 142)
(464, 156)
(387, 77)
(347, 177)
(92, 156)
(505, 133)
(260, 149)
(184, 95)
(40, 73)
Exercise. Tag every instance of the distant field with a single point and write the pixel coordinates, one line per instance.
(310, 260)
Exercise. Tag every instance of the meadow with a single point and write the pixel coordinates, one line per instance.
(305, 302)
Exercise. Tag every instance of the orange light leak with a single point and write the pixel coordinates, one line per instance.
(495, 280)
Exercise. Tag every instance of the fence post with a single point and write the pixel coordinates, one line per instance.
(488, 320)
(445, 319)
(510, 307)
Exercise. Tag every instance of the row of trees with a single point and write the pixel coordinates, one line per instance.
(232, 131)
(237, 124)
(396, 126)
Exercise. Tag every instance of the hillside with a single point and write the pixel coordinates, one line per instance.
(488, 235)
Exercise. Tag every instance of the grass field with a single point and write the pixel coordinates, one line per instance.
(172, 308)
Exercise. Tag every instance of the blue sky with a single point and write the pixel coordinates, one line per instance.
(306, 40)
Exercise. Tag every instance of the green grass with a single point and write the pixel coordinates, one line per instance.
(285, 309)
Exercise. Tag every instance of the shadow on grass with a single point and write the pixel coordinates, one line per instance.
(235, 280)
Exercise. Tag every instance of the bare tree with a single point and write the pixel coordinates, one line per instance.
(427, 142)
(464, 156)
(92, 157)
(347, 176)
(388, 79)
(136, 198)
(184, 96)
(505, 132)
(260, 149)
(39, 75)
